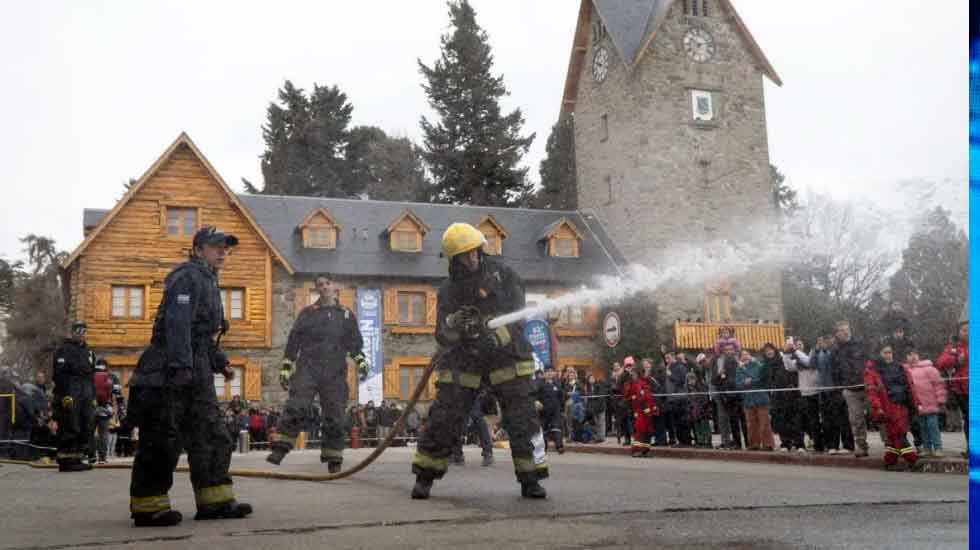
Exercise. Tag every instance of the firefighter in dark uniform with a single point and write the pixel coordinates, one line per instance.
(472, 356)
(172, 396)
(74, 400)
(323, 337)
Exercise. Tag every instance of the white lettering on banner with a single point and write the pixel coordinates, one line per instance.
(369, 319)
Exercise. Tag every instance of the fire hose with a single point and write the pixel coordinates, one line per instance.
(291, 476)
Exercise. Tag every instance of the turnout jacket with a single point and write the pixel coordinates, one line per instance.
(494, 289)
(74, 368)
(889, 386)
(324, 334)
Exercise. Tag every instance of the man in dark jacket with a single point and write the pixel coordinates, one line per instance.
(172, 399)
(678, 405)
(549, 394)
(595, 406)
(472, 355)
(322, 339)
(847, 365)
(786, 409)
(74, 400)
(730, 413)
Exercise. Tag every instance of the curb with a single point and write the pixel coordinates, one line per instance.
(929, 465)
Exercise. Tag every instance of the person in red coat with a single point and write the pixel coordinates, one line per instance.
(891, 394)
(954, 363)
(638, 394)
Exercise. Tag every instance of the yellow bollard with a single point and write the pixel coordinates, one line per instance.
(301, 440)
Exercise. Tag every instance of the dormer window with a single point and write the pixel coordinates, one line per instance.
(319, 230)
(494, 234)
(562, 239)
(406, 233)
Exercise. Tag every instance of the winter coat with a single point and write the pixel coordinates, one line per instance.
(677, 382)
(820, 360)
(759, 375)
(806, 371)
(882, 384)
(721, 342)
(640, 397)
(781, 377)
(723, 378)
(930, 390)
(847, 363)
(597, 405)
(900, 346)
(552, 398)
(950, 367)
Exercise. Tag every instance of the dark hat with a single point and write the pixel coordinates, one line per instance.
(210, 234)
(78, 327)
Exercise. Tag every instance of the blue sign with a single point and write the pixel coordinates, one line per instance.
(369, 318)
(538, 335)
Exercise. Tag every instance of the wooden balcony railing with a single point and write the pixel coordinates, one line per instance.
(699, 336)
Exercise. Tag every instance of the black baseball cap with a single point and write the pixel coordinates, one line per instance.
(210, 234)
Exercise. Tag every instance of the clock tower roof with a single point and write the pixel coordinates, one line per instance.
(632, 26)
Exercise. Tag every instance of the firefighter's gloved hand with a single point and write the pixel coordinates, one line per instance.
(219, 361)
(285, 371)
(467, 320)
(497, 338)
(67, 402)
(363, 369)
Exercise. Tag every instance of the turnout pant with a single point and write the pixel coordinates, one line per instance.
(329, 381)
(896, 428)
(76, 424)
(447, 417)
(171, 419)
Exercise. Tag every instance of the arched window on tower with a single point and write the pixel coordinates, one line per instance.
(696, 8)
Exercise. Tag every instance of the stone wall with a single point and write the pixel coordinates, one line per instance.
(657, 179)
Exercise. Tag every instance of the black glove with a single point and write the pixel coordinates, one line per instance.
(496, 338)
(464, 318)
(219, 361)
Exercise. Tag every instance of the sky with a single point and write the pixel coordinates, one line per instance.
(874, 95)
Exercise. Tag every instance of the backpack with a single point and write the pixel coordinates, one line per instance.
(103, 387)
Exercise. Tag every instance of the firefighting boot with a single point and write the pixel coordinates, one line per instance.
(487, 460)
(422, 487)
(333, 466)
(278, 453)
(533, 489)
(163, 518)
(225, 510)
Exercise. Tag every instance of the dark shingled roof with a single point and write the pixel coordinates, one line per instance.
(630, 22)
(363, 247)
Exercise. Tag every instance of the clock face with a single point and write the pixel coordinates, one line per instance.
(600, 64)
(699, 45)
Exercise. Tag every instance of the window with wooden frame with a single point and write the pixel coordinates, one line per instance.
(580, 320)
(563, 240)
(233, 301)
(403, 374)
(319, 230)
(182, 221)
(495, 235)
(128, 301)
(226, 389)
(410, 309)
(406, 232)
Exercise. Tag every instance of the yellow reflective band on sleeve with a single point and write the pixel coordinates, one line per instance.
(214, 495)
(503, 335)
(501, 375)
(149, 505)
(525, 368)
(426, 462)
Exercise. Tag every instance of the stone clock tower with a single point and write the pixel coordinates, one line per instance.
(670, 138)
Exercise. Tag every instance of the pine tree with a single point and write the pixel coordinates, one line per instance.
(557, 170)
(931, 285)
(473, 150)
(783, 196)
(386, 168)
(306, 139)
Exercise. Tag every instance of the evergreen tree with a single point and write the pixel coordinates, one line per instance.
(386, 168)
(473, 150)
(639, 336)
(306, 139)
(37, 317)
(931, 285)
(783, 196)
(558, 191)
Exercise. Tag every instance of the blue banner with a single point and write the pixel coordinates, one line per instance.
(369, 317)
(538, 335)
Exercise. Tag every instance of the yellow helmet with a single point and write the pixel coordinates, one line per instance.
(460, 238)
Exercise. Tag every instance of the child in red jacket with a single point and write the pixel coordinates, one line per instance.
(891, 393)
(638, 394)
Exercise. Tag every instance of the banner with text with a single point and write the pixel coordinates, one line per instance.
(369, 317)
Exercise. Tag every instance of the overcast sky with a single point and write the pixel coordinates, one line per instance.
(92, 92)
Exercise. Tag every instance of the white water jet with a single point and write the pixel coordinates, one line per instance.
(684, 265)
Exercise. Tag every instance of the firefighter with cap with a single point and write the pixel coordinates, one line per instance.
(172, 396)
(471, 356)
(323, 338)
(74, 400)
